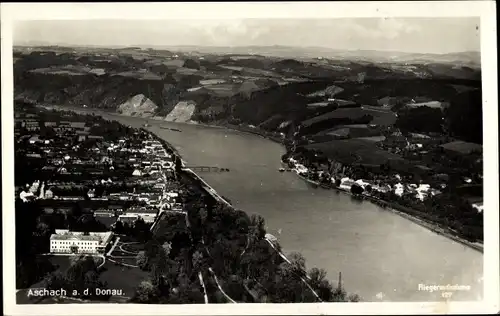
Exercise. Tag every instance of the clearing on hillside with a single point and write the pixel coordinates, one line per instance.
(354, 150)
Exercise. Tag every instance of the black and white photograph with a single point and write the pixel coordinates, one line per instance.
(211, 155)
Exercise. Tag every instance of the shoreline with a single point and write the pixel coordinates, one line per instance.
(390, 206)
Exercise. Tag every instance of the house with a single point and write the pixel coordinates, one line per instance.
(154, 198)
(104, 212)
(346, 183)
(82, 135)
(64, 241)
(26, 196)
(33, 155)
(128, 218)
(77, 125)
(49, 194)
(137, 173)
(478, 206)
(50, 124)
(399, 189)
(72, 198)
(124, 197)
(34, 139)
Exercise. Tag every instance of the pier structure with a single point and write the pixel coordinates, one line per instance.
(207, 168)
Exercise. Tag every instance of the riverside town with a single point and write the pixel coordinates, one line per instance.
(159, 174)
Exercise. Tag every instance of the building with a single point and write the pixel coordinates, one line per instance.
(478, 206)
(64, 241)
(147, 214)
(346, 184)
(127, 219)
(104, 212)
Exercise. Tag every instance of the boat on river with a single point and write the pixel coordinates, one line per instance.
(281, 169)
(170, 129)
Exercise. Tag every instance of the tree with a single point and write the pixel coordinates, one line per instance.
(297, 263)
(56, 280)
(356, 189)
(464, 117)
(198, 261)
(42, 230)
(92, 282)
(256, 229)
(420, 119)
(141, 260)
(368, 188)
(118, 229)
(141, 230)
(146, 292)
(318, 281)
(353, 298)
(83, 274)
(167, 247)
(75, 259)
(159, 266)
(289, 287)
(178, 165)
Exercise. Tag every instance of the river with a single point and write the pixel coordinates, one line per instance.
(382, 256)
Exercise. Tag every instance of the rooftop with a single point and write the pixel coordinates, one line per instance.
(64, 234)
(70, 236)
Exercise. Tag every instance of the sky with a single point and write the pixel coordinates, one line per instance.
(416, 35)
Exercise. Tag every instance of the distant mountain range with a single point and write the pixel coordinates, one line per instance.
(473, 58)
(468, 58)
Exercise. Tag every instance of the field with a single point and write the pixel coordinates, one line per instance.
(141, 75)
(462, 147)
(70, 70)
(374, 139)
(317, 104)
(329, 91)
(380, 117)
(431, 104)
(354, 150)
(352, 131)
(225, 90)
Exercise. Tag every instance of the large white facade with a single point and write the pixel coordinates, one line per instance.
(64, 241)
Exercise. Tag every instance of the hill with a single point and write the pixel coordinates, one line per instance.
(273, 93)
